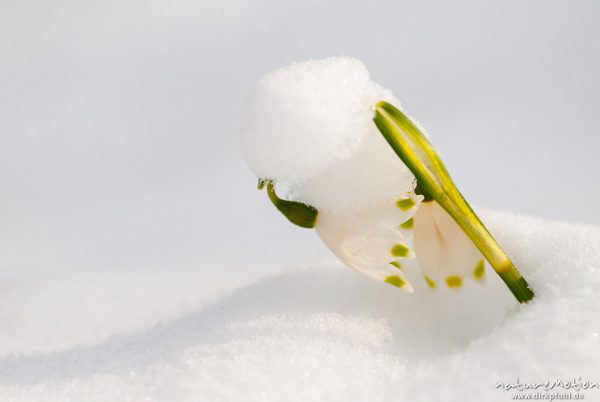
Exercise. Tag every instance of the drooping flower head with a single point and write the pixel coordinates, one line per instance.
(375, 200)
(310, 126)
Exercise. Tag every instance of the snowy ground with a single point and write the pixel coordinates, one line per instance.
(318, 332)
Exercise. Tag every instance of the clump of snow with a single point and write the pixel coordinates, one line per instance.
(323, 334)
(310, 126)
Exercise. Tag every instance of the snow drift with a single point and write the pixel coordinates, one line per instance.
(323, 332)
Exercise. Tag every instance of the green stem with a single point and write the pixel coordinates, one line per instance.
(433, 179)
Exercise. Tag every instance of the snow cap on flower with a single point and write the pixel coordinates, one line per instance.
(310, 126)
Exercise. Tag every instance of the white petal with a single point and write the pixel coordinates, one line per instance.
(364, 254)
(445, 253)
(427, 244)
(370, 240)
(391, 275)
(461, 255)
(365, 250)
(368, 245)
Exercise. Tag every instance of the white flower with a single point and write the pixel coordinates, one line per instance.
(374, 241)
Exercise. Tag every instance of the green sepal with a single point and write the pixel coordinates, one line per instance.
(298, 213)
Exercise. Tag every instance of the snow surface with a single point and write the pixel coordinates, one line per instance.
(320, 332)
(310, 125)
